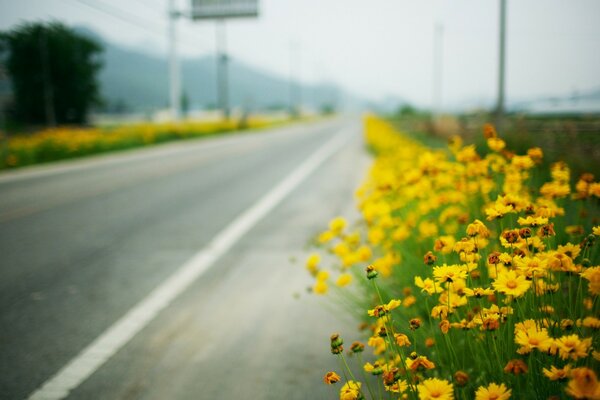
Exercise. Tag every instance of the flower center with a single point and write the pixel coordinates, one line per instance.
(511, 284)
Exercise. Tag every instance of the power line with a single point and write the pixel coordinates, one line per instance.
(131, 19)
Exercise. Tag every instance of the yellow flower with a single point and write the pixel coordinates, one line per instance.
(583, 384)
(449, 273)
(350, 391)
(364, 253)
(496, 144)
(322, 276)
(428, 229)
(596, 230)
(591, 322)
(312, 263)
(571, 346)
(435, 389)
(532, 221)
(511, 284)
(320, 287)
(325, 237)
(498, 211)
(331, 377)
(532, 337)
(593, 276)
(427, 285)
(337, 225)
(477, 228)
(402, 340)
(409, 301)
(344, 280)
(478, 292)
(556, 374)
(493, 392)
(384, 309)
(419, 363)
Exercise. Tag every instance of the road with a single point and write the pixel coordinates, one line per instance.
(84, 242)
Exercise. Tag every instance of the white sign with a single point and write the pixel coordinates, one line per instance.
(218, 9)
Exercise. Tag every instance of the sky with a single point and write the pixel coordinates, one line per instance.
(376, 48)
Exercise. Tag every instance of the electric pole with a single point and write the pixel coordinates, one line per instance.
(174, 78)
(295, 94)
(222, 69)
(501, 66)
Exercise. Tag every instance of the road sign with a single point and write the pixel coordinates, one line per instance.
(220, 9)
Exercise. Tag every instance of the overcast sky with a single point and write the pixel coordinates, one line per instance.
(376, 48)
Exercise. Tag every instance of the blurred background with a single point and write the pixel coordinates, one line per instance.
(342, 55)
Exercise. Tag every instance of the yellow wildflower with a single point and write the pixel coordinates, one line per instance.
(331, 377)
(435, 389)
(511, 284)
(583, 384)
(337, 225)
(592, 275)
(344, 280)
(350, 391)
(493, 392)
(312, 263)
(556, 374)
(571, 346)
(320, 287)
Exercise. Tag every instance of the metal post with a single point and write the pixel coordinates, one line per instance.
(174, 78)
(438, 49)
(501, 66)
(222, 69)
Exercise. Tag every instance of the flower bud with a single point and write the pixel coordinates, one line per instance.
(371, 273)
(357, 347)
(429, 258)
(461, 378)
(336, 344)
(414, 324)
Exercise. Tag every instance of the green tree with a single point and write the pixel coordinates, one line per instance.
(53, 72)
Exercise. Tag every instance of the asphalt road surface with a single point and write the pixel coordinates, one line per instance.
(84, 242)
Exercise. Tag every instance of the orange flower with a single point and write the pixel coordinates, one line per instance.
(331, 377)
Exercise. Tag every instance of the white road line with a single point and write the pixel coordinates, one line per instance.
(115, 337)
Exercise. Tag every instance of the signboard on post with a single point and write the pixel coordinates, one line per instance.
(221, 9)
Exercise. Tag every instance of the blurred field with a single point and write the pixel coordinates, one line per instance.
(71, 142)
(574, 139)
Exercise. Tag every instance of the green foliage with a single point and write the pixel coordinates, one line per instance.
(53, 72)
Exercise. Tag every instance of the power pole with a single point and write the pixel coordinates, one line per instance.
(174, 78)
(438, 59)
(222, 69)
(501, 67)
(295, 94)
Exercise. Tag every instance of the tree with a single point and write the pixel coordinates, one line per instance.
(53, 71)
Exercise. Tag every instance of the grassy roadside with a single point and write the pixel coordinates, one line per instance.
(74, 142)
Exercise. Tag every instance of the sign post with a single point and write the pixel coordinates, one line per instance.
(220, 10)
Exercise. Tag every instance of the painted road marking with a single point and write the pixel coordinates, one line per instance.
(116, 336)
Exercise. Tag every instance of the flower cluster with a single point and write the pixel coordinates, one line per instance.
(483, 272)
(69, 142)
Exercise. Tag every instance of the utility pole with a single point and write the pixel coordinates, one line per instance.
(501, 66)
(295, 94)
(438, 59)
(222, 69)
(174, 77)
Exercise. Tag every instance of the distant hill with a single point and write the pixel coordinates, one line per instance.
(139, 81)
